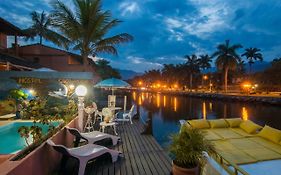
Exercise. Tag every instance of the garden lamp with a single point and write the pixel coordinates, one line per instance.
(80, 91)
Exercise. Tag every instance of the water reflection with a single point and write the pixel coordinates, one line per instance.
(204, 110)
(244, 113)
(211, 106)
(166, 110)
(175, 104)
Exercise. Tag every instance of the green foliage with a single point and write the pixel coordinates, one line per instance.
(40, 111)
(227, 58)
(104, 70)
(188, 146)
(41, 26)
(86, 27)
(252, 54)
(17, 94)
(271, 76)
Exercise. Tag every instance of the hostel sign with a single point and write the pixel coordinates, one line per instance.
(29, 81)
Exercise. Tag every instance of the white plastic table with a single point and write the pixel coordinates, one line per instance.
(103, 125)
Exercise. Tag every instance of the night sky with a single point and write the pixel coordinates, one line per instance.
(166, 30)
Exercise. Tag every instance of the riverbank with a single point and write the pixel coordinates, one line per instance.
(271, 99)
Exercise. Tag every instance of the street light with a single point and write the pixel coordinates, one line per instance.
(80, 91)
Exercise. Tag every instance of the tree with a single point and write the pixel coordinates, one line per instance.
(227, 58)
(105, 71)
(192, 65)
(86, 27)
(41, 26)
(252, 54)
(205, 61)
(169, 72)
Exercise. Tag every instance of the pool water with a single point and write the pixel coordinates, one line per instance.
(10, 139)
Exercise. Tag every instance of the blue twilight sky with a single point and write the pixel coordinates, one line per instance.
(165, 30)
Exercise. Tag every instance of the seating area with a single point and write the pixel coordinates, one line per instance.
(97, 141)
(241, 142)
(141, 154)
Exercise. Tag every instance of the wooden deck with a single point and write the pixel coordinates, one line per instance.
(142, 155)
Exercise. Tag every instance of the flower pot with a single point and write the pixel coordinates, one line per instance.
(184, 171)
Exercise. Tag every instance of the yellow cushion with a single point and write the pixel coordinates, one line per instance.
(271, 134)
(234, 122)
(200, 124)
(218, 123)
(249, 126)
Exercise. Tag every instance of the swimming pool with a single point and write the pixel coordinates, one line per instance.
(10, 140)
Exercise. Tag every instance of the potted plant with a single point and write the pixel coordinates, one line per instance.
(188, 149)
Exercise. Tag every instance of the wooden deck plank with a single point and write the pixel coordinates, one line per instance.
(158, 150)
(154, 153)
(139, 152)
(145, 152)
(142, 155)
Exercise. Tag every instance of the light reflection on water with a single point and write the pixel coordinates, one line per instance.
(167, 110)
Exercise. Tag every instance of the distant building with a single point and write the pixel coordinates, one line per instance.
(54, 58)
(34, 56)
(9, 59)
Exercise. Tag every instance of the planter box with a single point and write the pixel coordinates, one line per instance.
(43, 160)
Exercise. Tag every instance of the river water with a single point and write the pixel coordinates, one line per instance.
(165, 111)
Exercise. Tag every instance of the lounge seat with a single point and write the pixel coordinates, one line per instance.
(226, 133)
(266, 143)
(94, 136)
(84, 153)
(210, 135)
(241, 143)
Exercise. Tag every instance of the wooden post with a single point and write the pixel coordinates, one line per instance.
(16, 45)
(8, 66)
(125, 103)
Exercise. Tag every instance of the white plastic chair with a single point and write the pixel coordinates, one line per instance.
(93, 136)
(89, 124)
(98, 114)
(111, 100)
(128, 116)
(84, 153)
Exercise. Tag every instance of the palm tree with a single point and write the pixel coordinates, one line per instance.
(227, 58)
(205, 61)
(252, 54)
(41, 24)
(87, 27)
(192, 65)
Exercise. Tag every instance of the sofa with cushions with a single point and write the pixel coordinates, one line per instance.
(241, 142)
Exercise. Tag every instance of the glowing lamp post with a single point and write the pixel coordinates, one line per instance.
(80, 91)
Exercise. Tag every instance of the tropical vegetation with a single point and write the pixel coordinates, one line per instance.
(188, 147)
(227, 59)
(86, 28)
(104, 70)
(252, 54)
(45, 112)
(42, 27)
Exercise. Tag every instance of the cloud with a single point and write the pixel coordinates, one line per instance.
(129, 8)
(210, 17)
(137, 64)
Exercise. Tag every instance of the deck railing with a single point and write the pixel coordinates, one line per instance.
(227, 164)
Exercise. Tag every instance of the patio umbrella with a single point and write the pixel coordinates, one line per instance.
(112, 83)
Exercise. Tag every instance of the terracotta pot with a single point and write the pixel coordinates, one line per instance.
(184, 171)
(106, 119)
